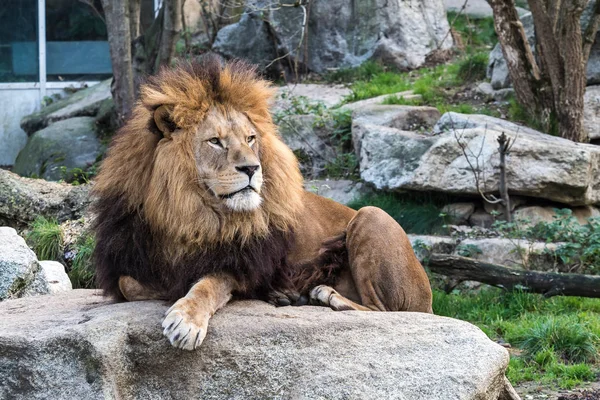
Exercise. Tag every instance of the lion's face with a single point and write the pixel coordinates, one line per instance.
(226, 153)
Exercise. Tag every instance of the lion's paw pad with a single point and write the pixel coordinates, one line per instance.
(182, 330)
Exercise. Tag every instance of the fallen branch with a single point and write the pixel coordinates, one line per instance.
(547, 283)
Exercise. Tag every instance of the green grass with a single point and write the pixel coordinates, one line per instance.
(475, 32)
(555, 341)
(46, 238)
(416, 213)
(82, 273)
(473, 68)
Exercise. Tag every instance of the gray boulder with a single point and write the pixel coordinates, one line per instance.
(405, 118)
(339, 33)
(252, 350)
(86, 102)
(51, 279)
(539, 165)
(497, 70)
(23, 199)
(70, 143)
(18, 264)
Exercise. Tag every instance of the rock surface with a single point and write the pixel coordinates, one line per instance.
(18, 264)
(86, 102)
(539, 165)
(51, 279)
(497, 70)
(398, 32)
(340, 190)
(23, 199)
(79, 345)
(70, 143)
(328, 95)
(591, 111)
(379, 100)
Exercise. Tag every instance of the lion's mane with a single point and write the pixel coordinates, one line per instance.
(152, 221)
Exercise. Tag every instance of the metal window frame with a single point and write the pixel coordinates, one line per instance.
(42, 85)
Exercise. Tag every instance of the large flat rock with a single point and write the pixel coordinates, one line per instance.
(80, 345)
(539, 165)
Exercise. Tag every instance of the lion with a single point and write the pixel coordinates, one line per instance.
(198, 200)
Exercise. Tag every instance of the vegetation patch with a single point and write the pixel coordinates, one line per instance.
(82, 272)
(554, 341)
(46, 238)
(418, 213)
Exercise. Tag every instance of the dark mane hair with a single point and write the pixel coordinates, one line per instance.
(126, 246)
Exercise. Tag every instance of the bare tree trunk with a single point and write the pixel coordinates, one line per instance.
(117, 23)
(171, 29)
(552, 86)
(546, 283)
(134, 18)
(522, 67)
(504, 148)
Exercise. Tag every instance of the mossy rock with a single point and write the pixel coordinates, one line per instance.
(71, 143)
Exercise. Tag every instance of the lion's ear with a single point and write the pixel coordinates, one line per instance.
(164, 122)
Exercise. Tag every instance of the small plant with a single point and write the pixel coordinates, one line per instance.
(468, 250)
(46, 238)
(473, 68)
(82, 273)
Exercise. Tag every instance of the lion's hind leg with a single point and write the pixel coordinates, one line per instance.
(385, 271)
(328, 296)
(132, 290)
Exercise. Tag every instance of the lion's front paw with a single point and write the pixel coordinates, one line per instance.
(321, 295)
(185, 324)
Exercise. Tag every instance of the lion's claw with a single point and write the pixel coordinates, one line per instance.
(184, 330)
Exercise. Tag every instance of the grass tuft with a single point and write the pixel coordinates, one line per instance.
(82, 272)
(46, 239)
(473, 68)
(566, 337)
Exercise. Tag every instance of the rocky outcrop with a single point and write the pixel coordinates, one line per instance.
(252, 350)
(339, 33)
(86, 102)
(497, 70)
(540, 166)
(22, 275)
(55, 151)
(23, 199)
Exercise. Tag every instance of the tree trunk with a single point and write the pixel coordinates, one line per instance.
(135, 7)
(116, 13)
(546, 283)
(522, 67)
(171, 29)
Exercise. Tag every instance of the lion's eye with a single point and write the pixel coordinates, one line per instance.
(215, 141)
(251, 138)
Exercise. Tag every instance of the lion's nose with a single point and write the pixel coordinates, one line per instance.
(248, 169)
